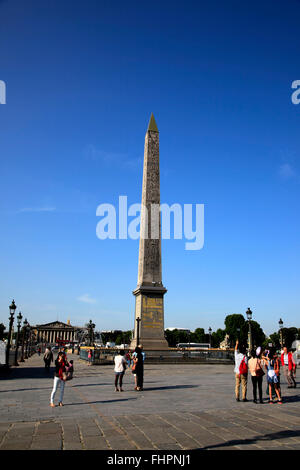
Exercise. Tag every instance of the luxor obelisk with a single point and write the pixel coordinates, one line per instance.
(149, 294)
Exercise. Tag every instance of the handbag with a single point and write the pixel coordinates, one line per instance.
(259, 372)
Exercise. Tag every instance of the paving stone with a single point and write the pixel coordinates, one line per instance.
(167, 415)
(120, 444)
(95, 443)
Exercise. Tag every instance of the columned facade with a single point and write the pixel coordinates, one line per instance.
(51, 332)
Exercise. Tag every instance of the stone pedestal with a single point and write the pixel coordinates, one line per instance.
(149, 307)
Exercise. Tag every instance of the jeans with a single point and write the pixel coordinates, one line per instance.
(257, 381)
(57, 381)
(119, 378)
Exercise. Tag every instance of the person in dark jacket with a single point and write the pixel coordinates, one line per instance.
(139, 368)
(48, 358)
(59, 378)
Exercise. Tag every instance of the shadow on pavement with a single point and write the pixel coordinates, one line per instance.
(175, 387)
(27, 389)
(256, 439)
(100, 401)
(92, 385)
(28, 373)
(291, 399)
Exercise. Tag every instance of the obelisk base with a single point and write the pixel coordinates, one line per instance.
(149, 308)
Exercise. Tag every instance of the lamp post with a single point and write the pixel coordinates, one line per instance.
(29, 340)
(138, 320)
(209, 332)
(249, 318)
(12, 309)
(280, 323)
(26, 339)
(23, 338)
(19, 317)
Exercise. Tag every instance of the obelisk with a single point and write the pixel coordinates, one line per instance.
(149, 294)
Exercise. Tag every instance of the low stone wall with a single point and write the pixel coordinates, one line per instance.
(172, 356)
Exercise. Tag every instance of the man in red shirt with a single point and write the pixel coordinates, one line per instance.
(289, 367)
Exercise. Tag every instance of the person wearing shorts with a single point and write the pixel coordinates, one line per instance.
(272, 377)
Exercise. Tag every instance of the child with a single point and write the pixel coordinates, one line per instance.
(70, 370)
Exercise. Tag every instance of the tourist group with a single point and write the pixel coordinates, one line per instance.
(261, 363)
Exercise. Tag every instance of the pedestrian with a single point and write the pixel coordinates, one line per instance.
(90, 356)
(241, 371)
(120, 367)
(39, 351)
(289, 367)
(70, 370)
(48, 358)
(60, 377)
(128, 358)
(277, 372)
(257, 373)
(138, 369)
(272, 377)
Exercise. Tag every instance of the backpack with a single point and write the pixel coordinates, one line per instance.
(243, 367)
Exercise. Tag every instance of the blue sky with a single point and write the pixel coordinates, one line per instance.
(82, 79)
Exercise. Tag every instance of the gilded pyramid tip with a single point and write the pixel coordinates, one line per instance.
(152, 124)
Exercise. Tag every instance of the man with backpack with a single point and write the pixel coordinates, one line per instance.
(241, 371)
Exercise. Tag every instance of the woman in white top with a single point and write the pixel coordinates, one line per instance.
(120, 366)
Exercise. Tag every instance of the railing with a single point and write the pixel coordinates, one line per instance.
(172, 355)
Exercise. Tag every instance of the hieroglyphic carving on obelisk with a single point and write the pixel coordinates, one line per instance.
(149, 304)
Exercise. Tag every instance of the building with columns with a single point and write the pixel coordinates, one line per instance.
(51, 332)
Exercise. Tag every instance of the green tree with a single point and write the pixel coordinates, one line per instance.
(198, 336)
(258, 336)
(217, 337)
(177, 336)
(233, 323)
(289, 335)
(274, 338)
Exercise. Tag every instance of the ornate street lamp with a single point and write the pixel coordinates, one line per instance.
(27, 336)
(249, 318)
(12, 309)
(29, 341)
(25, 323)
(280, 323)
(19, 317)
(209, 332)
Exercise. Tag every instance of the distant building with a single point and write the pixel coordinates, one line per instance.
(51, 332)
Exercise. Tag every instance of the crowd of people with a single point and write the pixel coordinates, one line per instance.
(64, 369)
(261, 363)
(267, 362)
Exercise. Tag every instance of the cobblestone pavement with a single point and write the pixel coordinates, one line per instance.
(182, 407)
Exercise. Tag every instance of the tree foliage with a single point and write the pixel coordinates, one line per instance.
(238, 328)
